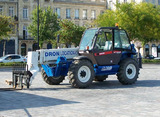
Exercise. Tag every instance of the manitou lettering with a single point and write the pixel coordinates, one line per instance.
(62, 53)
(51, 54)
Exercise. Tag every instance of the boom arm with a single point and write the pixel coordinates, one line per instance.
(46, 56)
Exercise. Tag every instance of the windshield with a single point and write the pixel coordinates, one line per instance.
(2, 57)
(87, 39)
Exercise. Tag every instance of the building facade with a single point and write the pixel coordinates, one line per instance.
(80, 12)
(110, 4)
(9, 8)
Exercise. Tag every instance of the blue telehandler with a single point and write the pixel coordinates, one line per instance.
(102, 52)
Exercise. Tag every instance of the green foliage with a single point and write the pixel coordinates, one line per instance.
(11, 64)
(108, 19)
(141, 21)
(70, 33)
(5, 22)
(151, 61)
(48, 25)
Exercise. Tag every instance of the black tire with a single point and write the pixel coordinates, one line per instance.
(15, 78)
(27, 82)
(128, 71)
(21, 82)
(100, 78)
(81, 73)
(52, 80)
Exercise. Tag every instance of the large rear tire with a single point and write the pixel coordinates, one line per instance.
(128, 71)
(52, 80)
(81, 73)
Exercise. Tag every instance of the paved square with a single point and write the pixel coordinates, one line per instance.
(102, 99)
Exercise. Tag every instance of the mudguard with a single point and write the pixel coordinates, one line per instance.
(82, 57)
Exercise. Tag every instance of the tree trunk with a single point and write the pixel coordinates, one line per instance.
(4, 48)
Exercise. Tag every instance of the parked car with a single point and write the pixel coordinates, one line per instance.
(12, 58)
(149, 57)
(157, 58)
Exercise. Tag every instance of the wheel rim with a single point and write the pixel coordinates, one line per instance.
(131, 71)
(84, 74)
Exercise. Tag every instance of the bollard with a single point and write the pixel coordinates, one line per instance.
(140, 60)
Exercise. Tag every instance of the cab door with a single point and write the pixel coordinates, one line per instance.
(104, 51)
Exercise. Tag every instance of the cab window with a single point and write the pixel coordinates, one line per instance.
(121, 40)
(104, 41)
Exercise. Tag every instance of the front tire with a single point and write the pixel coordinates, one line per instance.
(128, 71)
(52, 80)
(81, 73)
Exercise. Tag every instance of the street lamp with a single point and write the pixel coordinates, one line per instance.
(38, 24)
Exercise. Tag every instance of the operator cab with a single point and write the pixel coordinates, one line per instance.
(104, 46)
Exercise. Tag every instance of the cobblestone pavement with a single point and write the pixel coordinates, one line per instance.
(102, 99)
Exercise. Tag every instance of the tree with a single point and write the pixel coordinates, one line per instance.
(5, 29)
(5, 22)
(48, 25)
(108, 19)
(141, 21)
(70, 33)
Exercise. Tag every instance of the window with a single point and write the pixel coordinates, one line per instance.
(153, 1)
(101, 12)
(11, 11)
(158, 2)
(121, 40)
(76, 13)
(93, 14)
(125, 1)
(25, 13)
(87, 39)
(1, 10)
(154, 50)
(102, 0)
(25, 32)
(110, 6)
(158, 50)
(146, 50)
(58, 11)
(35, 46)
(49, 46)
(68, 13)
(23, 49)
(104, 41)
(16, 57)
(12, 27)
(77, 23)
(84, 14)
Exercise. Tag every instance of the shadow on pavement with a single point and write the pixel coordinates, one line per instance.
(108, 84)
(10, 100)
(116, 84)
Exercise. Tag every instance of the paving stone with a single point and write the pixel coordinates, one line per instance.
(101, 99)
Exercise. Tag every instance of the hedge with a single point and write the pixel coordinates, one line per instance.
(154, 61)
(11, 64)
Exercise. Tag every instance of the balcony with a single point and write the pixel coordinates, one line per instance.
(22, 37)
(89, 2)
(8, 1)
